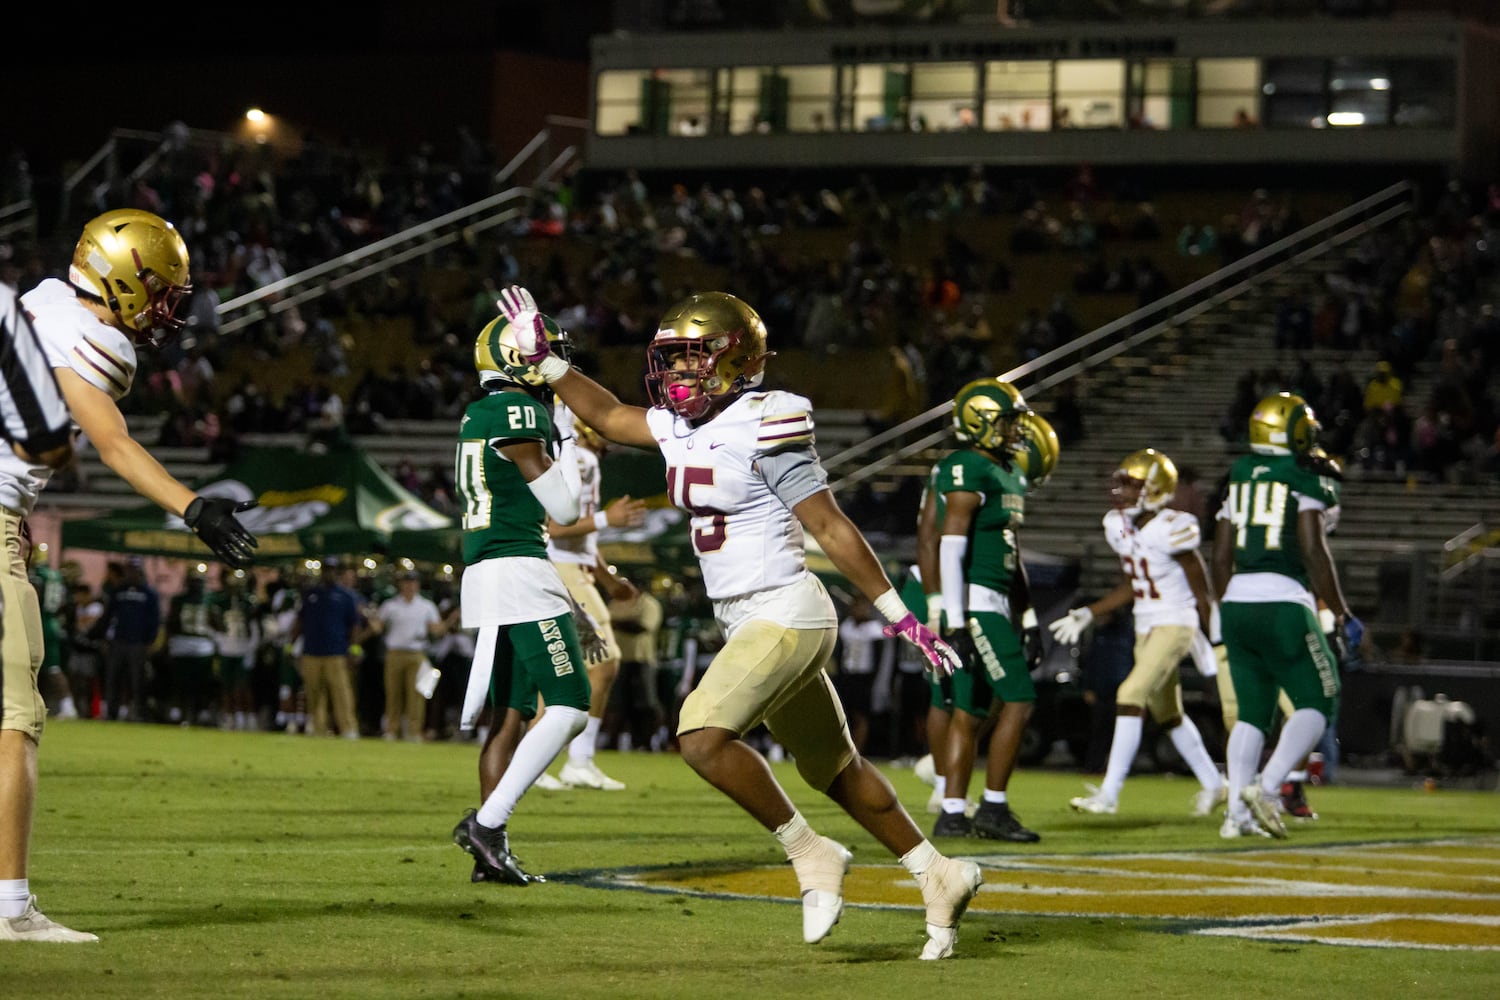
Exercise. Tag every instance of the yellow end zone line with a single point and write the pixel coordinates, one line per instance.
(1445, 929)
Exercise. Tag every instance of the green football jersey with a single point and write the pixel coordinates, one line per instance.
(1261, 504)
(501, 515)
(991, 558)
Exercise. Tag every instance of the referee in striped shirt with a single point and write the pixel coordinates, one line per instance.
(34, 419)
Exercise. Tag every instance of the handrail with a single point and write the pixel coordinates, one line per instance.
(537, 141)
(242, 302)
(17, 217)
(1128, 331)
(1467, 548)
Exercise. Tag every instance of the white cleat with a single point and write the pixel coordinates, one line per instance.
(588, 776)
(33, 925)
(547, 783)
(1247, 827)
(1095, 802)
(821, 878)
(1207, 800)
(947, 888)
(1266, 808)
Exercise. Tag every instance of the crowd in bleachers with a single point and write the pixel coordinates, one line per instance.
(1418, 297)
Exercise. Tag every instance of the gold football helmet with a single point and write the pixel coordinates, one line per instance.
(137, 264)
(985, 413)
(1146, 480)
(1283, 424)
(1038, 450)
(499, 361)
(708, 349)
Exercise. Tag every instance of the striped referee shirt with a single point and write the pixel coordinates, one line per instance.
(32, 411)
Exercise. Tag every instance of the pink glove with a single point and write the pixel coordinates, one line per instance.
(519, 308)
(940, 656)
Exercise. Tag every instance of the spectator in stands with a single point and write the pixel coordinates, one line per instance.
(1384, 389)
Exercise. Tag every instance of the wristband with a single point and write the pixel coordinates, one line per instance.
(552, 368)
(934, 609)
(1326, 620)
(601, 520)
(890, 607)
(1028, 618)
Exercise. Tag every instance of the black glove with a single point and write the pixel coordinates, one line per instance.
(212, 520)
(961, 640)
(1031, 646)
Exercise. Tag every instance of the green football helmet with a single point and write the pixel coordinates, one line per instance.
(1038, 450)
(1283, 424)
(986, 414)
(499, 363)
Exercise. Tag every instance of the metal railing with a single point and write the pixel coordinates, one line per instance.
(17, 217)
(854, 465)
(416, 241)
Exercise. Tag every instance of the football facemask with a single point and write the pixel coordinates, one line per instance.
(708, 349)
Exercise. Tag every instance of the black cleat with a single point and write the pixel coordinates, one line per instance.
(995, 821)
(952, 825)
(490, 848)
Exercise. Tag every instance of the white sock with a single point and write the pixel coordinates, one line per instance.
(1189, 743)
(1122, 748)
(938, 784)
(954, 805)
(1299, 737)
(1245, 744)
(920, 858)
(15, 893)
(1298, 775)
(581, 750)
(552, 732)
(990, 795)
(66, 706)
(797, 838)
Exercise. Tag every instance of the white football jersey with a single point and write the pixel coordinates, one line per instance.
(1147, 554)
(72, 337)
(583, 549)
(746, 538)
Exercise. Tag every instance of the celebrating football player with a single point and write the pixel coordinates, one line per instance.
(512, 479)
(741, 461)
(1167, 584)
(1270, 558)
(124, 290)
(967, 550)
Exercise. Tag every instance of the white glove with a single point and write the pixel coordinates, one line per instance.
(520, 310)
(562, 420)
(515, 300)
(1205, 655)
(1068, 630)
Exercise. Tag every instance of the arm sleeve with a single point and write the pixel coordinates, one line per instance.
(555, 490)
(793, 474)
(951, 551)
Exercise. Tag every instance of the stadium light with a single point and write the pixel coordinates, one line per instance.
(1346, 118)
(255, 116)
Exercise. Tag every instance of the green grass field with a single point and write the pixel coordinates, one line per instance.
(259, 865)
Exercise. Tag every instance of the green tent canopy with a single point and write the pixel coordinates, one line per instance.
(338, 502)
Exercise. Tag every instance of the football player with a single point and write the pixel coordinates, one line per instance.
(574, 550)
(1036, 453)
(970, 560)
(512, 479)
(741, 461)
(1270, 558)
(1166, 584)
(125, 290)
